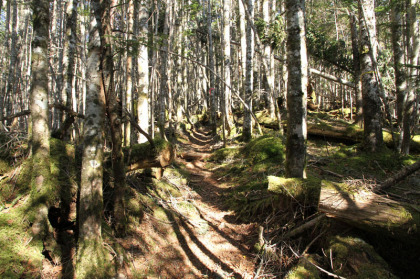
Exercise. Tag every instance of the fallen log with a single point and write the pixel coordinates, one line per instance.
(338, 131)
(368, 211)
(332, 78)
(408, 170)
(144, 156)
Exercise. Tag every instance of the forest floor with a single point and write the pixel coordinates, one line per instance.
(211, 215)
(210, 245)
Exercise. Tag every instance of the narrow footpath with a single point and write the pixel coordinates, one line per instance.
(183, 247)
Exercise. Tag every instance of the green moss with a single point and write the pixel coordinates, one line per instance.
(160, 214)
(20, 255)
(166, 190)
(286, 186)
(93, 261)
(224, 154)
(304, 270)
(306, 190)
(4, 166)
(265, 148)
(354, 258)
(350, 162)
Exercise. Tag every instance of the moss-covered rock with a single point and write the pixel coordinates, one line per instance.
(354, 258)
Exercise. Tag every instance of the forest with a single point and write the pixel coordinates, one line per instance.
(209, 139)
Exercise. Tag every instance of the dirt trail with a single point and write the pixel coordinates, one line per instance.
(180, 248)
(228, 241)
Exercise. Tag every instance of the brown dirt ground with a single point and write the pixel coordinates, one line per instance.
(180, 249)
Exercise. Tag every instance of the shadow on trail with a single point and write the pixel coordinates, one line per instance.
(190, 254)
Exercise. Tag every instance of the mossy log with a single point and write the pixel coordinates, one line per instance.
(143, 156)
(368, 211)
(338, 130)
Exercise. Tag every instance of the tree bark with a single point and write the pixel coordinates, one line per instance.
(372, 114)
(269, 58)
(242, 29)
(90, 253)
(69, 52)
(227, 63)
(40, 145)
(142, 70)
(400, 75)
(129, 70)
(249, 80)
(409, 111)
(370, 211)
(212, 86)
(296, 90)
(356, 68)
(164, 81)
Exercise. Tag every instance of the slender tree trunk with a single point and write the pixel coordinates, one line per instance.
(227, 63)
(164, 81)
(40, 144)
(356, 68)
(372, 114)
(212, 86)
(142, 69)
(409, 111)
(242, 28)
(249, 81)
(400, 75)
(12, 79)
(129, 70)
(268, 53)
(69, 48)
(90, 253)
(297, 66)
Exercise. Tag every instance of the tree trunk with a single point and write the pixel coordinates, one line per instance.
(69, 49)
(90, 253)
(212, 86)
(12, 78)
(409, 111)
(249, 80)
(400, 75)
(296, 90)
(129, 70)
(356, 68)
(40, 129)
(164, 81)
(370, 86)
(242, 28)
(142, 70)
(227, 63)
(114, 113)
(269, 58)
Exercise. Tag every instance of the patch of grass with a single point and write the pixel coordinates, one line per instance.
(225, 154)
(379, 165)
(20, 255)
